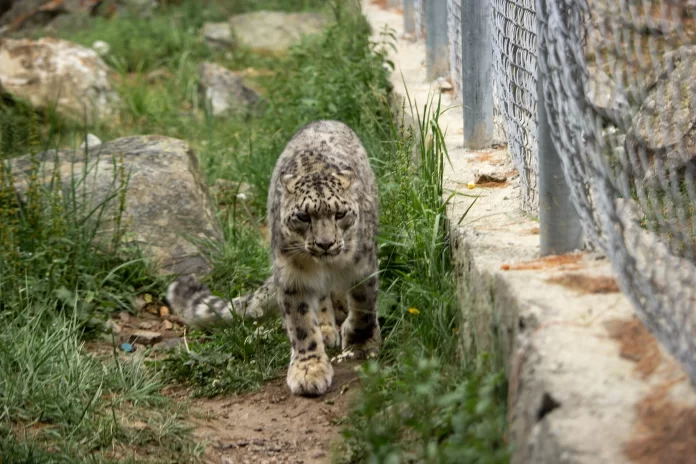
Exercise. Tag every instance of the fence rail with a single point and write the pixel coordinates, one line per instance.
(597, 101)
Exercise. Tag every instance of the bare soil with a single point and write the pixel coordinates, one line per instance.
(269, 426)
(272, 426)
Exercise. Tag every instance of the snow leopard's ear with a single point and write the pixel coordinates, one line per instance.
(345, 177)
(289, 181)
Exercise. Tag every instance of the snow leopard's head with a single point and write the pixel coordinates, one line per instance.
(319, 212)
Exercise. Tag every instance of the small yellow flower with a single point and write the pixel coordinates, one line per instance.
(413, 311)
(471, 185)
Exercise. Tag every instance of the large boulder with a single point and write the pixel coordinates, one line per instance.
(51, 72)
(168, 209)
(224, 93)
(608, 99)
(218, 35)
(28, 15)
(275, 31)
(664, 128)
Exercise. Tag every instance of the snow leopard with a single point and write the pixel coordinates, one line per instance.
(322, 213)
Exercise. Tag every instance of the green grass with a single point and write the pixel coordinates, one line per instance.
(62, 404)
(423, 400)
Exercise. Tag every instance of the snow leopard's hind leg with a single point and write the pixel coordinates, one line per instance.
(328, 322)
(193, 302)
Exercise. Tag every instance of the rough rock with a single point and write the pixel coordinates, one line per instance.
(169, 344)
(145, 337)
(665, 125)
(5, 5)
(31, 13)
(168, 210)
(274, 31)
(608, 99)
(218, 35)
(142, 8)
(91, 141)
(224, 92)
(51, 72)
(111, 326)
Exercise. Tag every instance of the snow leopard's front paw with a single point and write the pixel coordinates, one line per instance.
(310, 376)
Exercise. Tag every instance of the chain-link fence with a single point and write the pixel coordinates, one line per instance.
(454, 35)
(619, 87)
(620, 81)
(514, 71)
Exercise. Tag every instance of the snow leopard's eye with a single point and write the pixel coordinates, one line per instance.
(340, 215)
(304, 217)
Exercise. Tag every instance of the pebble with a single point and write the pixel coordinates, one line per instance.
(145, 337)
(112, 326)
(167, 325)
(164, 311)
(90, 141)
(146, 325)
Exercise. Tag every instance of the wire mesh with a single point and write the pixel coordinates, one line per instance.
(621, 97)
(454, 29)
(514, 70)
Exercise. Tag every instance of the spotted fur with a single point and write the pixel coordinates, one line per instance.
(323, 213)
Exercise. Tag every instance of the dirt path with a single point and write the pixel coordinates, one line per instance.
(268, 426)
(273, 426)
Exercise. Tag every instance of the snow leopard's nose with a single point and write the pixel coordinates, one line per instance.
(325, 245)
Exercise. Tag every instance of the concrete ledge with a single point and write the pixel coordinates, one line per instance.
(588, 383)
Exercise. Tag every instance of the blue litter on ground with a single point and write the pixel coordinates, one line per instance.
(127, 347)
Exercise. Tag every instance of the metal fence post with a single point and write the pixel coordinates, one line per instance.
(437, 47)
(410, 16)
(560, 228)
(477, 77)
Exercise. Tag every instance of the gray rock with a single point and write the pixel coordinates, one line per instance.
(28, 13)
(145, 337)
(91, 141)
(224, 92)
(608, 99)
(51, 72)
(169, 344)
(5, 6)
(143, 8)
(24, 17)
(168, 208)
(218, 35)
(664, 128)
(275, 31)
(111, 326)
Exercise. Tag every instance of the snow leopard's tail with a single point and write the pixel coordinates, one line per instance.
(193, 302)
